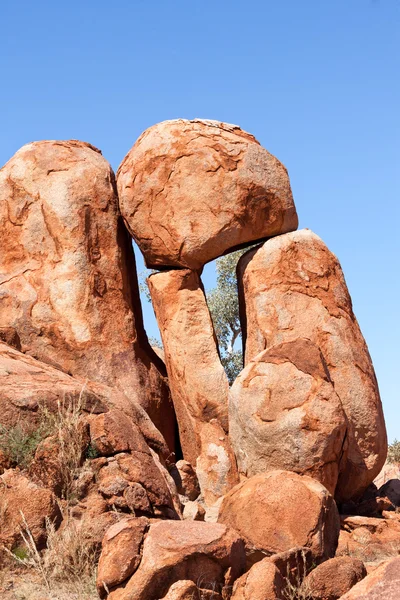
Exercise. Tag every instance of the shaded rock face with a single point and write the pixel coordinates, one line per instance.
(334, 578)
(293, 287)
(19, 494)
(199, 386)
(66, 265)
(210, 555)
(279, 510)
(284, 413)
(382, 584)
(27, 384)
(191, 190)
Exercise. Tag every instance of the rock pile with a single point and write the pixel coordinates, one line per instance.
(184, 487)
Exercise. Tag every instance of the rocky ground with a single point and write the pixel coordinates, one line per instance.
(127, 477)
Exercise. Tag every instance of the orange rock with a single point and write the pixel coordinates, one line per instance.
(262, 582)
(284, 413)
(190, 190)
(334, 578)
(25, 505)
(121, 553)
(186, 480)
(67, 264)
(210, 555)
(369, 538)
(27, 385)
(187, 590)
(382, 584)
(279, 510)
(199, 386)
(293, 287)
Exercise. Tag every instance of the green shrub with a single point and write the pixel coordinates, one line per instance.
(394, 452)
(19, 443)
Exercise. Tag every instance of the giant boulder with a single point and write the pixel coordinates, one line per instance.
(293, 287)
(68, 287)
(191, 190)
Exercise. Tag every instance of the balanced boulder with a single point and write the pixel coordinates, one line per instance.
(293, 287)
(284, 413)
(191, 190)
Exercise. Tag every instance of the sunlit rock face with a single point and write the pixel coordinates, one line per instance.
(191, 190)
(68, 286)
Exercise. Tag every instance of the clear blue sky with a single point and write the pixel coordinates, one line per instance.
(317, 82)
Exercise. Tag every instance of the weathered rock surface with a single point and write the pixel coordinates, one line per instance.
(20, 495)
(293, 287)
(186, 480)
(66, 265)
(334, 578)
(121, 553)
(279, 510)
(391, 490)
(209, 555)
(284, 413)
(27, 384)
(381, 584)
(199, 386)
(187, 590)
(262, 582)
(191, 190)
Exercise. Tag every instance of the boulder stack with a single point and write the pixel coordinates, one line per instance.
(184, 487)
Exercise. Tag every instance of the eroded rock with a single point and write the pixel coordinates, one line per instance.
(279, 510)
(190, 190)
(66, 265)
(284, 413)
(199, 386)
(293, 287)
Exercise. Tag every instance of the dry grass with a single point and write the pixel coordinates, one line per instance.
(65, 569)
(296, 588)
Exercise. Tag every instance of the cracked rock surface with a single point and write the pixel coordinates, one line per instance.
(190, 190)
(66, 265)
(293, 287)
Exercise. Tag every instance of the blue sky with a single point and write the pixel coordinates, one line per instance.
(317, 82)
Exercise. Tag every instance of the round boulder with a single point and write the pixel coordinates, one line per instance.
(279, 510)
(191, 190)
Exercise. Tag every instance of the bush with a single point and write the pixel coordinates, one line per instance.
(394, 452)
(19, 443)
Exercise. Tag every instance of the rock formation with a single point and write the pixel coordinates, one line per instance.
(66, 266)
(199, 386)
(293, 287)
(191, 190)
(88, 427)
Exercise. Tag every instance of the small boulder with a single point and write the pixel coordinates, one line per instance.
(121, 553)
(279, 510)
(25, 506)
(333, 578)
(382, 584)
(210, 555)
(262, 582)
(186, 480)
